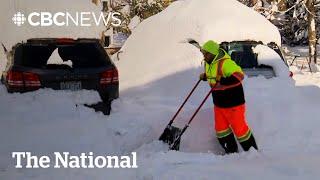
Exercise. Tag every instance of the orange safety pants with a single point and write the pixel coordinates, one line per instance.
(228, 120)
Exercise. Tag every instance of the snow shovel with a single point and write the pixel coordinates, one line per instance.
(171, 133)
(176, 143)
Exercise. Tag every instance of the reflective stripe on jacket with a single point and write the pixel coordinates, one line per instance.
(223, 69)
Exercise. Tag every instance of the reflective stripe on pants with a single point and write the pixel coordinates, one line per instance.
(228, 120)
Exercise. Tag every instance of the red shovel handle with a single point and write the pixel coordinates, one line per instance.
(196, 112)
(184, 102)
(187, 125)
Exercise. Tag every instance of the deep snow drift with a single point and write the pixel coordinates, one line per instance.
(283, 119)
(46, 121)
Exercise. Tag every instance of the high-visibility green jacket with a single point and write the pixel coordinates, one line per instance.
(225, 77)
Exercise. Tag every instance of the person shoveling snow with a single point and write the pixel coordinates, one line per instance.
(225, 77)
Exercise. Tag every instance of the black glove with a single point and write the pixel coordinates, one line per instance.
(203, 77)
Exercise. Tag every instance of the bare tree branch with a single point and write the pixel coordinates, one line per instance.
(304, 4)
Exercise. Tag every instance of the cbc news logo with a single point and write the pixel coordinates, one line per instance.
(18, 19)
(83, 19)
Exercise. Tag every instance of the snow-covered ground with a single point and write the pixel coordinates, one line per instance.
(300, 68)
(282, 115)
(283, 119)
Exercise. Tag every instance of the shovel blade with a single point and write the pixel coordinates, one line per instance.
(169, 135)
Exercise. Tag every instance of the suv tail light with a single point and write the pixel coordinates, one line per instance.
(31, 79)
(115, 76)
(110, 76)
(15, 79)
(23, 80)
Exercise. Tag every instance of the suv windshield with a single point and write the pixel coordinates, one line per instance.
(81, 55)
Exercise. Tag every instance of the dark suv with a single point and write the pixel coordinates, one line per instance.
(80, 64)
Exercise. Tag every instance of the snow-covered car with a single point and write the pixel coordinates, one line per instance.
(249, 56)
(62, 64)
(245, 54)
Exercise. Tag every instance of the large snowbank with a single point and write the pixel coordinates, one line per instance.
(160, 39)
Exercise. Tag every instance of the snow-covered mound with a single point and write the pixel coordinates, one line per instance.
(268, 56)
(159, 41)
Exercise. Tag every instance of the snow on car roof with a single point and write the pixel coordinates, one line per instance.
(268, 56)
(159, 42)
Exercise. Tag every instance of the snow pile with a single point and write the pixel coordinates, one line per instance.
(46, 121)
(268, 56)
(159, 41)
